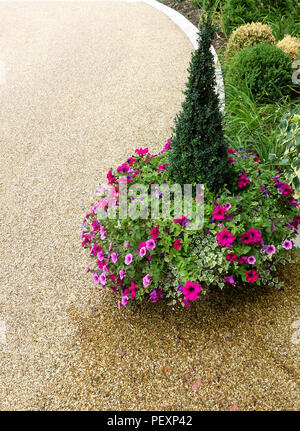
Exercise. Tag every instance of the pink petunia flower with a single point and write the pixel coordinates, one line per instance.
(141, 151)
(252, 236)
(162, 167)
(150, 244)
(287, 244)
(251, 260)
(156, 294)
(127, 245)
(143, 251)
(251, 276)
(191, 290)
(225, 238)
(122, 273)
(231, 151)
(146, 280)
(270, 249)
(243, 181)
(132, 290)
(230, 279)
(154, 232)
(177, 244)
(128, 259)
(181, 220)
(114, 257)
(231, 257)
(96, 278)
(102, 278)
(142, 244)
(219, 213)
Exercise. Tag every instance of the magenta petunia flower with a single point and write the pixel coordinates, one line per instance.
(251, 260)
(128, 259)
(219, 213)
(231, 151)
(124, 300)
(146, 280)
(243, 259)
(252, 236)
(287, 244)
(114, 257)
(132, 290)
(127, 245)
(150, 244)
(225, 238)
(270, 249)
(122, 273)
(111, 246)
(231, 257)
(243, 181)
(96, 278)
(154, 232)
(155, 295)
(162, 167)
(141, 151)
(143, 251)
(191, 290)
(181, 220)
(102, 278)
(251, 276)
(230, 279)
(177, 244)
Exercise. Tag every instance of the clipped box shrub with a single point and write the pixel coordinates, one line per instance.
(291, 46)
(264, 70)
(248, 35)
(238, 12)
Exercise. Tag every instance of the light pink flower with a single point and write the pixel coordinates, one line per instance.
(114, 257)
(102, 278)
(146, 280)
(96, 278)
(122, 273)
(128, 259)
(287, 244)
(143, 251)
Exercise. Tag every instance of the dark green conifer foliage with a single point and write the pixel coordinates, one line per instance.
(198, 153)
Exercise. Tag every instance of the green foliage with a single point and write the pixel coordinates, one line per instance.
(263, 69)
(198, 152)
(250, 124)
(279, 5)
(286, 147)
(238, 12)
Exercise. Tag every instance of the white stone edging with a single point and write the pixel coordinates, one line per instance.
(191, 32)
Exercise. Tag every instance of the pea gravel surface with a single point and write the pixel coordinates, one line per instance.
(87, 83)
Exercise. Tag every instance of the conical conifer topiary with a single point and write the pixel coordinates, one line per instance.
(198, 153)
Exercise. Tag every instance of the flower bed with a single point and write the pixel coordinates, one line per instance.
(247, 231)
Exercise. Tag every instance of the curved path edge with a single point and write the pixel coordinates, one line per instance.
(191, 32)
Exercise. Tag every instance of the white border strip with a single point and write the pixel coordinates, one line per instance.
(184, 24)
(191, 32)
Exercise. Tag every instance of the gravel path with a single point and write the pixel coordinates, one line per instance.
(86, 83)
